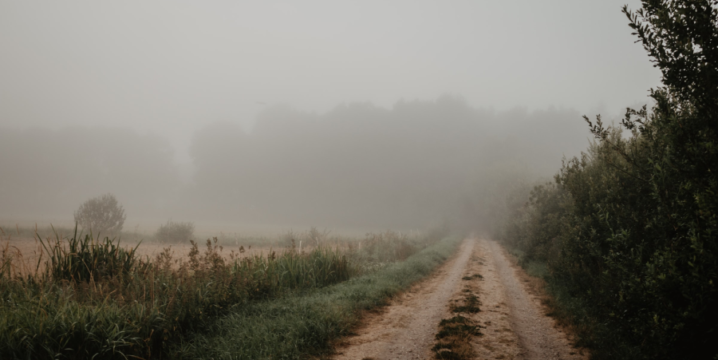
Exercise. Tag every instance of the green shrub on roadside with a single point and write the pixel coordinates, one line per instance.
(629, 229)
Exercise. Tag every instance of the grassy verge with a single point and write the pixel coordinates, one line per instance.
(95, 298)
(604, 342)
(301, 326)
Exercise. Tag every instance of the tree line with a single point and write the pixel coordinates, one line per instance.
(358, 165)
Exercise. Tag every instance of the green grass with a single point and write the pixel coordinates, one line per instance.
(297, 327)
(95, 299)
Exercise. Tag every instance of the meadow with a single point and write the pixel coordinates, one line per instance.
(81, 297)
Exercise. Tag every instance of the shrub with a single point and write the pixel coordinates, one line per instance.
(102, 214)
(638, 228)
(175, 232)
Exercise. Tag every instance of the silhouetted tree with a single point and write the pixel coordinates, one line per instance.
(102, 214)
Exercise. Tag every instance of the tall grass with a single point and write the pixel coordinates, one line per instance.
(84, 259)
(97, 299)
(94, 298)
(299, 327)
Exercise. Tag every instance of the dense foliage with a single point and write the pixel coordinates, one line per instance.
(631, 226)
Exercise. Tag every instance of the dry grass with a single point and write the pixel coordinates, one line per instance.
(78, 295)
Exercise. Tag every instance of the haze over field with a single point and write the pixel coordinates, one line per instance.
(334, 114)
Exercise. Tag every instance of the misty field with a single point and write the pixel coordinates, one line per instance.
(79, 297)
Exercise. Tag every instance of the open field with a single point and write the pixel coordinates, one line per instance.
(84, 297)
(25, 244)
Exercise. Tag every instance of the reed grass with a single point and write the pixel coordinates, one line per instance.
(97, 299)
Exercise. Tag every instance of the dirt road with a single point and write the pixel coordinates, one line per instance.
(511, 320)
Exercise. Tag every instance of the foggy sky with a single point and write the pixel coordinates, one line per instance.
(357, 166)
(174, 66)
(160, 74)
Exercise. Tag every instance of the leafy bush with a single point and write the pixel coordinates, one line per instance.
(102, 214)
(175, 232)
(635, 219)
(539, 226)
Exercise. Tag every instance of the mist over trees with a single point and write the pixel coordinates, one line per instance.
(47, 174)
(361, 165)
(358, 165)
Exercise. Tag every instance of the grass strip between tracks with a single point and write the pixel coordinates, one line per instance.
(300, 326)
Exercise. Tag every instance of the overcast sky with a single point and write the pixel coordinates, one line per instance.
(171, 67)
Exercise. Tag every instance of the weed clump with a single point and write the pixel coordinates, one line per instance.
(455, 334)
(471, 305)
(475, 276)
(454, 338)
(83, 259)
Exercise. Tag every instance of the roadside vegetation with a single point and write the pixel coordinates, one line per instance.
(626, 234)
(297, 327)
(89, 298)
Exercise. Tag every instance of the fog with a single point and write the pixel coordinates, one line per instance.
(361, 115)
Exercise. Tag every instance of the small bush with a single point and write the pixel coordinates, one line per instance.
(175, 232)
(102, 214)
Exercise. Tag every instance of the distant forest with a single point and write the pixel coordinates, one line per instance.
(356, 165)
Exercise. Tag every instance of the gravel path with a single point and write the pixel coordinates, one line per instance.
(524, 329)
(513, 322)
(406, 328)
